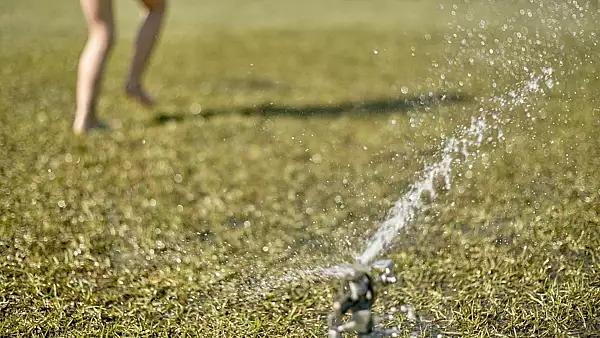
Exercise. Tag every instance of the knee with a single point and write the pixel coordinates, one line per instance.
(156, 6)
(103, 37)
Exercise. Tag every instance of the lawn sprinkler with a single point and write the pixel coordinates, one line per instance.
(357, 295)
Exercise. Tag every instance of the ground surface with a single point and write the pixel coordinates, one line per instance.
(284, 134)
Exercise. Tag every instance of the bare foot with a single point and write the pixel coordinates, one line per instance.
(137, 93)
(86, 126)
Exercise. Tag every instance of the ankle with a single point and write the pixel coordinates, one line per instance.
(130, 84)
(137, 92)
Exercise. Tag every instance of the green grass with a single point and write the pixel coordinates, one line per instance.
(280, 143)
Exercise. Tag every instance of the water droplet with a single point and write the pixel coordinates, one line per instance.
(195, 108)
(316, 158)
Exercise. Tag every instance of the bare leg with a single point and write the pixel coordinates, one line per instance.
(144, 46)
(99, 16)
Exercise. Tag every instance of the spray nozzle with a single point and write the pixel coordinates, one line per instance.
(385, 268)
(357, 296)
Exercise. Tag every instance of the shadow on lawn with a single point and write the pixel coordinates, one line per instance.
(366, 107)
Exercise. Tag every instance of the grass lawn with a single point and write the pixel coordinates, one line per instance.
(285, 132)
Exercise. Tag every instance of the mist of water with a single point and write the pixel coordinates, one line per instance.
(532, 51)
(462, 149)
(527, 49)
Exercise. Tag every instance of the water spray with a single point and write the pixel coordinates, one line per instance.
(359, 283)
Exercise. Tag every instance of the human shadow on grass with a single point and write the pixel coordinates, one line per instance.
(365, 107)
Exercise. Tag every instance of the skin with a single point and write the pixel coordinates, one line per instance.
(101, 37)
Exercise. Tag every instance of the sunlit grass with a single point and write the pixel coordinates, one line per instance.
(280, 145)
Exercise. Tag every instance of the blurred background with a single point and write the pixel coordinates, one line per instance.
(286, 134)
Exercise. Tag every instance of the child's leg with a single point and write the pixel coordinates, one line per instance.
(99, 16)
(145, 43)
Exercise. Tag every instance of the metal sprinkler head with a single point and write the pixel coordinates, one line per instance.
(385, 268)
(357, 295)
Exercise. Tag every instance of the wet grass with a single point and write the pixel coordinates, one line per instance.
(282, 139)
